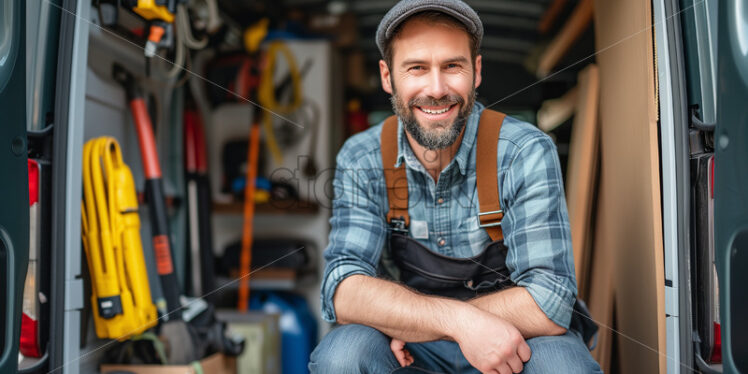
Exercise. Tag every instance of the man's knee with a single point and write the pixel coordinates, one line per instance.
(353, 349)
(564, 354)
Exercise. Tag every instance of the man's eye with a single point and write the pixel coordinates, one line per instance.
(453, 66)
(416, 68)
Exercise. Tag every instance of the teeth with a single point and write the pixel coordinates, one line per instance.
(435, 111)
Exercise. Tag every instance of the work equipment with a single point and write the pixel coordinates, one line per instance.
(298, 327)
(200, 236)
(249, 210)
(181, 342)
(253, 36)
(184, 342)
(279, 253)
(121, 295)
(154, 189)
(160, 16)
(266, 93)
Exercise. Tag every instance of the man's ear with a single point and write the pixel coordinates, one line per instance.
(384, 75)
(478, 63)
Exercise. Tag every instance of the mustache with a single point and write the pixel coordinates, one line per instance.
(449, 99)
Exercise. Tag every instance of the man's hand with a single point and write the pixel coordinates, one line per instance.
(401, 354)
(489, 343)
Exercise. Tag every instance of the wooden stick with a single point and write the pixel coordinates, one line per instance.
(582, 171)
(580, 19)
(550, 15)
(554, 112)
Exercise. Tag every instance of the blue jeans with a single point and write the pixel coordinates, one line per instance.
(362, 349)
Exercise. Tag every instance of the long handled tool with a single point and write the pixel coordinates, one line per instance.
(198, 202)
(185, 342)
(154, 189)
(181, 340)
(252, 37)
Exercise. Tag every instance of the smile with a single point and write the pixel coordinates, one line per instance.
(436, 110)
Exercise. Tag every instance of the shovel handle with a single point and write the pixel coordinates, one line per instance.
(147, 140)
(154, 191)
(249, 210)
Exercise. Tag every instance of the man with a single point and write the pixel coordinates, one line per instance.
(406, 265)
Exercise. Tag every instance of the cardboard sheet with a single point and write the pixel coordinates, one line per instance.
(216, 363)
(582, 171)
(629, 226)
(601, 288)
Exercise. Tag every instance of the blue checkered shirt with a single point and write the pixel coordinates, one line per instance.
(535, 224)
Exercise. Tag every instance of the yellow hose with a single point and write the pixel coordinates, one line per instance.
(111, 239)
(266, 93)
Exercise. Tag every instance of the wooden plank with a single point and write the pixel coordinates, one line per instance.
(554, 112)
(550, 15)
(580, 19)
(582, 171)
(601, 288)
(629, 208)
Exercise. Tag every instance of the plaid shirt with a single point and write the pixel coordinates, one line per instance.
(535, 224)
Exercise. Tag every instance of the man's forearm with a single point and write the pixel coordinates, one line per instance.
(517, 306)
(395, 310)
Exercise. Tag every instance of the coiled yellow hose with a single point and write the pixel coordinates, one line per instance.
(266, 93)
(121, 295)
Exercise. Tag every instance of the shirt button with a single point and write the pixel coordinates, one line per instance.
(440, 201)
(441, 242)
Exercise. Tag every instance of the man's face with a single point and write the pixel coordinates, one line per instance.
(432, 81)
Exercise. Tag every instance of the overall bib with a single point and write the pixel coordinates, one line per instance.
(432, 273)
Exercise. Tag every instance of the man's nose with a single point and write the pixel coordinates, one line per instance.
(436, 87)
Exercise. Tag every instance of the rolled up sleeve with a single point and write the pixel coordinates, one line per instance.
(536, 229)
(358, 230)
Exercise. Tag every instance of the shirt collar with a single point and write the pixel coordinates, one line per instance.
(405, 152)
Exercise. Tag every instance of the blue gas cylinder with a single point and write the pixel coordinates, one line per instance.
(297, 324)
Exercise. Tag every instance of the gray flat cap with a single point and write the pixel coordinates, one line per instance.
(406, 8)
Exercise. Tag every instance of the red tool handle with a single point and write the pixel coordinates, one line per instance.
(152, 167)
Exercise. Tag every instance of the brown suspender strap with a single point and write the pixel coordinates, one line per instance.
(395, 178)
(490, 213)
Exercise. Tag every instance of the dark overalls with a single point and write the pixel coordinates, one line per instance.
(432, 273)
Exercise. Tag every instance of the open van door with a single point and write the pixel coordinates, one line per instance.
(731, 181)
(14, 192)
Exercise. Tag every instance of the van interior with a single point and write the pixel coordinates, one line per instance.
(268, 91)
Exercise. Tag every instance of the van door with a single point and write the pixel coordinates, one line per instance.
(14, 192)
(731, 181)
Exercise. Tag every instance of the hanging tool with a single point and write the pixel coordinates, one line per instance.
(153, 187)
(186, 342)
(199, 206)
(253, 36)
(175, 330)
(121, 295)
(160, 15)
(266, 94)
(249, 210)
(184, 40)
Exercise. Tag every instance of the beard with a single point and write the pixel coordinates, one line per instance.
(442, 134)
